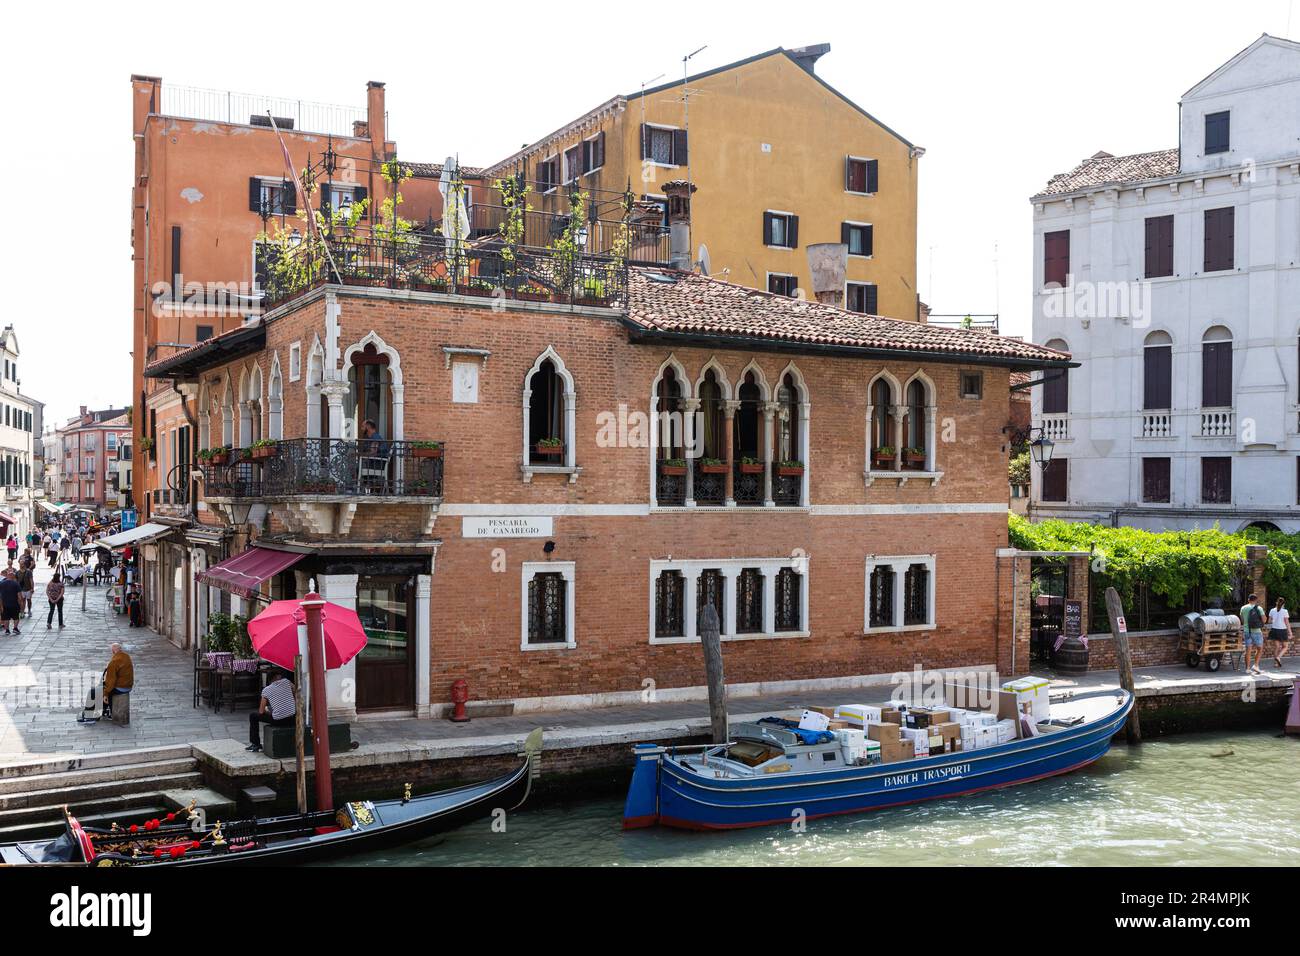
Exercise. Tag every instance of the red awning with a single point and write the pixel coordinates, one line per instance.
(6, 518)
(244, 573)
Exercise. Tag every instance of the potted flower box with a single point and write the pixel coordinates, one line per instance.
(426, 449)
(533, 295)
(672, 466)
(220, 456)
(882, 459)
(914, 457)
(751, 466)
(550, 447)
(790, 469)
(713, 466)
(419, 487)
(264, 448)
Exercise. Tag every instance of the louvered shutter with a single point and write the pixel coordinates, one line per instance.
(359, 194)
(1157, 383)
(767, 228)
(868, 239)
(288, 198)
(600, 149)
(254, 194)
(792, 232)
(845, 233)
(680, 155)
(873, 175)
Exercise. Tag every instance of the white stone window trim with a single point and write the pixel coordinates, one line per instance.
(570, 466)
(295, 361)
(730, 568)
(529, 570)
(859, 255)
(900, 563)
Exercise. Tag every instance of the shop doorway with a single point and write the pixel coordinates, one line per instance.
(386, 666)
(1049, 587)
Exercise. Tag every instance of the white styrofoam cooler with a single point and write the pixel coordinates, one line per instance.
(1035, 691)
(811, 720)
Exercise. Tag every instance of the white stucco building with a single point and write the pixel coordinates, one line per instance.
(1173, 277)
(20, 416)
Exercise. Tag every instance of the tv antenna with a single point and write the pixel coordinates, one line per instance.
(686, 125)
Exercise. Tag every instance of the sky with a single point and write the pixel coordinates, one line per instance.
(1001, 95)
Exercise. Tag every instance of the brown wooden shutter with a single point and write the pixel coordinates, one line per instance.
(1056, 479)
(1056, 392)
(599, 149)
(680, 155)
(1216, 375)
(1157, 377)
(1056, 257)
(1219, 237)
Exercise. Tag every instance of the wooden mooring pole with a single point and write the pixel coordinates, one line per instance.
(711, 641)
(299, 730)
(1119, 631)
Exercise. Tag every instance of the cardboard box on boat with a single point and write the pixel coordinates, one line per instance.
(827, 712)
(811, 720)
(883, 732)
(920, 739)
(950, 731)
(1007, 731)
(857, 715)
(891, 715)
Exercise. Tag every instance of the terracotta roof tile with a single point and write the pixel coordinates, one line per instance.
(1103, 169)
(685, 303)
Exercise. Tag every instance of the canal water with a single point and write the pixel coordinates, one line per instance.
(1203, 799)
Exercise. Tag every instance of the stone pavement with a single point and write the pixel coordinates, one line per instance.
(40, 660)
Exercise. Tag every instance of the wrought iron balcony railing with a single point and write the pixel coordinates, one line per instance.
(329, 467)
(487, 268)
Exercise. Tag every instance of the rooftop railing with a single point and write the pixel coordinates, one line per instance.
(227, 106)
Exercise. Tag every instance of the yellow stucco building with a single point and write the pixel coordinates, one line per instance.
(781, 160)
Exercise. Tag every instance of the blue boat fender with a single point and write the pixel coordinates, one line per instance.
(642, 807)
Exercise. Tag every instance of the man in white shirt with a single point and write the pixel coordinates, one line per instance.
(1279, 630)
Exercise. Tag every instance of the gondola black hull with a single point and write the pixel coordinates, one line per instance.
(296, 838)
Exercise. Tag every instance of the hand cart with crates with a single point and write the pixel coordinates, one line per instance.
(1211, 636)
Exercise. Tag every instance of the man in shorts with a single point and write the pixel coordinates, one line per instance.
(1252, 626)
(10, 602)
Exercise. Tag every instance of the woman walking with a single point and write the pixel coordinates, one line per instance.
(12, 546)
(54, 594)
(1279, 630)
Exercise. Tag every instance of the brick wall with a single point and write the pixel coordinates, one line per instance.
(476, 609)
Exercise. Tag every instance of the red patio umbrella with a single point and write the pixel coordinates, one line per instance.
(275, 633)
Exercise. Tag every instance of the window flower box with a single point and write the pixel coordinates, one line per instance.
(549, 449)
(426, 450)
(751, 466)
(914, 457)
(672, 466)
(790, 469)
(883, 459)
(264, 448)
(221, 457)
(713, 466)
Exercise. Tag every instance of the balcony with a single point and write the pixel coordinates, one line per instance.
(326, 469)
(1157, 425)
(1056, 427)
(1218, 422)
(708, 485)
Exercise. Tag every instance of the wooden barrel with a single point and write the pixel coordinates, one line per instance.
(1071, 657)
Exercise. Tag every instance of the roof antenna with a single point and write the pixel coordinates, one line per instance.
(686, 125)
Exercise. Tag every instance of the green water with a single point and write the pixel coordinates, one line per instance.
(1183, 800)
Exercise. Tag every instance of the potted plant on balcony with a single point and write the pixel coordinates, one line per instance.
(789, 469)
(713, 466)
(550, 447)
(220, 455)
(592, 292)
(882, 458)
(750, 466)
(426, 449)
(204, 455)
(420, 486)
(914, 457)
(672, 466)
(532, 293)
(264, 448)
(145, 443)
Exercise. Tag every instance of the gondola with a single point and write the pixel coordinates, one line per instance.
(183, 839)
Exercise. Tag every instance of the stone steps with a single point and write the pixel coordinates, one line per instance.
(85, 777)
(118, 758)
(35, 802)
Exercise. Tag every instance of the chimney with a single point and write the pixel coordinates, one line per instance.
(83, 411)
(807, 56)
(644, 222)
(828, 261)
(376, 117)
(360, 129)
(679, 192)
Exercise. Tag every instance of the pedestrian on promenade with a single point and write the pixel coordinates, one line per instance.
(277, 708)
(54, 594)
(26, 588)
(9, 601)
(1279, 630)
(134, 607)
(12, 546)
(1252, 624)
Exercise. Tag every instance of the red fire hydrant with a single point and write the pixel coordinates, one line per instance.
(459, 695)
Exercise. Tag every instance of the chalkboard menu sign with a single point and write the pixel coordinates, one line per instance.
(1073, 624)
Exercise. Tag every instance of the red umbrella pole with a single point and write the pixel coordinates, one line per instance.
(320, 728)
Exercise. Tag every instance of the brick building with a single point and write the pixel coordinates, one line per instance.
(90, 447)
(559, 483)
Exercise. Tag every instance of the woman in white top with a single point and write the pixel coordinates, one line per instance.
(1279, 630)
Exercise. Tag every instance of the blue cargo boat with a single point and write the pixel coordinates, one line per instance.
(770, 773)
